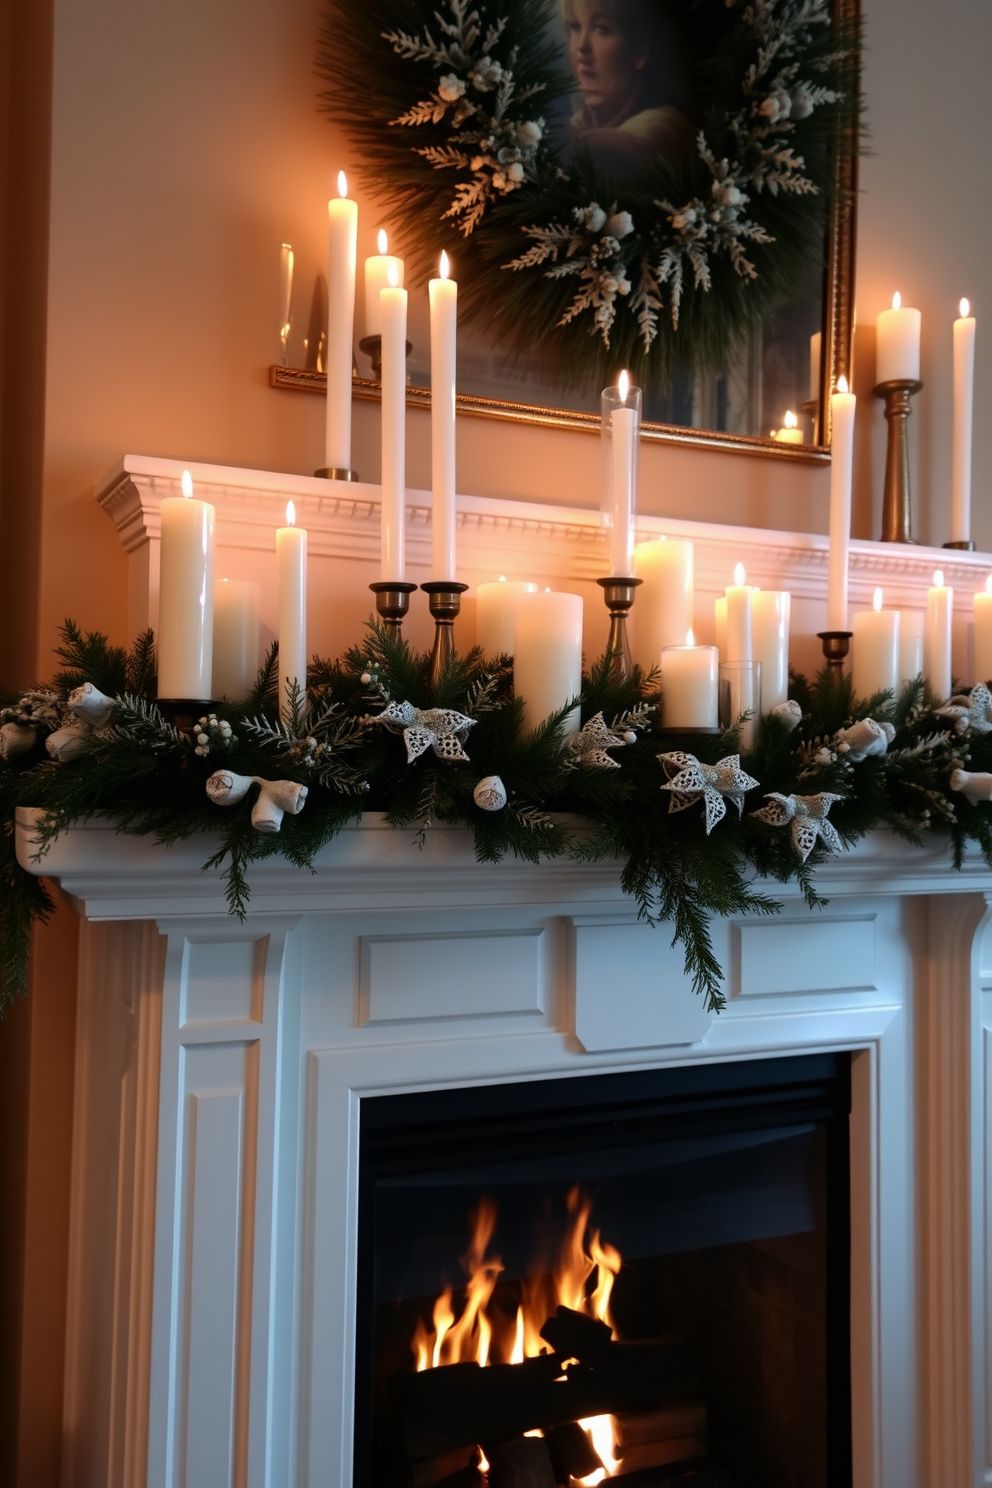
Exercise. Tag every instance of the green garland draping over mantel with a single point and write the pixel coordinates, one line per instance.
(452, 106)
(691, 819)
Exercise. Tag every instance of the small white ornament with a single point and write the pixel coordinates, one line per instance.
(864, 739)
(490, 794)
(975, 787)
(68, 743)
(808, 818)
(91, 705)
(275, 797)
(440, 729)
(587, 749)
(689, 782)
(970, 712)
(17, 739)
(788, 713)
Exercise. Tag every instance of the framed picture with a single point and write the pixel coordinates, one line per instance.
(663, 185)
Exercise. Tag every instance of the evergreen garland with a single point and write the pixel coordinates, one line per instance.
(928, 770)
(448, 104)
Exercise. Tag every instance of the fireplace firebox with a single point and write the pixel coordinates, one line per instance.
(642, 1276)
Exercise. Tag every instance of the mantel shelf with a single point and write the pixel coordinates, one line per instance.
(371, 865)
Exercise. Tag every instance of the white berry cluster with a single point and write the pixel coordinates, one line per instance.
(213, 735)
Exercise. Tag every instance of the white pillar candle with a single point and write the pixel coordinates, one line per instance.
(662, 612)
(285, 294)
(291, 564)
(910, 645)
(720, 625)
(815, 356)
(982, 609)
(621, 417)
(547, 655)
(937, 636)
(186, 596)
(842, 410)
(393, 301)
(236, 632)
(382, 271)
(443, 294)
(897, 346)
(964, 397)
(770, 615)
(738, 595)
(342, 222)
(875, 650)
(495, 608)
(790, 432)
(689, 684)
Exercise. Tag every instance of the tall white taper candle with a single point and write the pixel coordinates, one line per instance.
(443, 294)
(937, 636)
(186, 596)
(291, 564)
(842, 409)
(342, 222)
(964, 399)
(392, 311)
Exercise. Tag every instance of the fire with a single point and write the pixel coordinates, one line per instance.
(580, 1277)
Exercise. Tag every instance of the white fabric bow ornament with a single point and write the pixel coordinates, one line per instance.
(970, 712)
(689, 782)
(588, 747)
(440, 729)
(864, 739)
(808, 816)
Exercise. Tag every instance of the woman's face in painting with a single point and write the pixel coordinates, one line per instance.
(606, 64)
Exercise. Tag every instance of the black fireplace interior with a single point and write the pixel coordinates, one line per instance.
(641, 1276)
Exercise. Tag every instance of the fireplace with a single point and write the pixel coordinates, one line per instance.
(643, 1275)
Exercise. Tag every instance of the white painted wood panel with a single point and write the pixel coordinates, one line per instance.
(427, 978)
(631, 990)
(806, 955)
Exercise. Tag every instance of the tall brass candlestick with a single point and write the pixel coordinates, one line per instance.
(619, 595)
(897, 515)
(444, 600)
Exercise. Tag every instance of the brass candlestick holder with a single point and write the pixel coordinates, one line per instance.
(372, 347)
(963, 546)
(336, 472)
(445, 601)
(392, 600)
(836, 644)
(897, 515)
(619, 595)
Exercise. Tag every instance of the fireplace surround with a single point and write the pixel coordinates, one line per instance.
(223, 1068)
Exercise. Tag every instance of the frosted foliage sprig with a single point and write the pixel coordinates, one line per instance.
(493, 139)
(591, 249)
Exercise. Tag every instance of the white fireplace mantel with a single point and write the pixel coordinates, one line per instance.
(222, 1066)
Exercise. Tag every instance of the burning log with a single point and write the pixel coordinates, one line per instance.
(660, 1454)
(572, 1453)
(427, 1472)
(523, 1463)
(461, 1404)
(633, 1430)
(575, 1335)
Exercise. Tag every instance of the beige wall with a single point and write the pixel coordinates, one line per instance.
(187, 147)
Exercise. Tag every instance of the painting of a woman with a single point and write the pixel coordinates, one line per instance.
(630, 73)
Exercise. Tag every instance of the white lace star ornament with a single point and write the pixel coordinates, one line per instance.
(808, 818)
(970, 712)
(588, 747)
(714, 785)
(440, 729)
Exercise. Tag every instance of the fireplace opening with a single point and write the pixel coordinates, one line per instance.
(641, 1277)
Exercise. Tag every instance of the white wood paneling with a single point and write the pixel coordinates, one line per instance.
(789, 955)
(431, 978)
(631, 990)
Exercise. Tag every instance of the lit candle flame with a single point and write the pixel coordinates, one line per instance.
(790, 421)
(444, 266)
(342, 184)
(877, 600)
(842, 385)
(502, 578)
(290, 514)
(187, 484)
(383, 241)
(739, 575)
(938, 578)
(965, 309)
(483, 1462)
(623, 383)
(896, 300)
(393, 276)
(690, 639)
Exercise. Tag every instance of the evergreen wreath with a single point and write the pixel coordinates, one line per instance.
(371, 734)
(447, 102)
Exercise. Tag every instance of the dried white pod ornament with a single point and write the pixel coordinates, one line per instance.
(68, 743)
(490, 794)
(975, 787)
(17, 739)
(226, 789)
(865, 738)
(90, 704)
(275, 797)
(788, 713)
